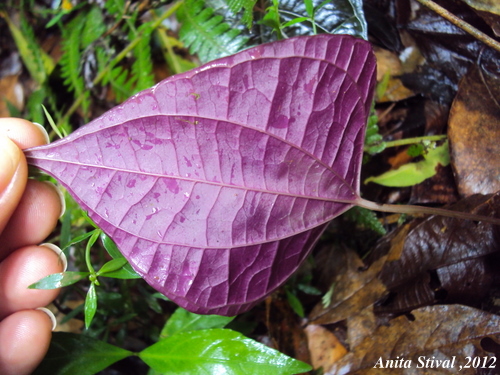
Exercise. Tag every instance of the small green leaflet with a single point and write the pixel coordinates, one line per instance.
(247, 5)
(124, 272)
(90, 305)
(112, 266)
(58, 280)
(206, 33)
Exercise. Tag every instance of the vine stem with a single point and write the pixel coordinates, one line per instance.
(413, 210)
(461, 24)
(117, 59)
(409, 141)
(90, 243)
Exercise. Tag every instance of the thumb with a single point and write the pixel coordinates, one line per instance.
(13, 177)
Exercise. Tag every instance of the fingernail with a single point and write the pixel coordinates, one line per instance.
(50, 314)
(59, 252)
(10, 155)
(61, 197)
(44, 131)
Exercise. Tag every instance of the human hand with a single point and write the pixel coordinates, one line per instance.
(29, 211)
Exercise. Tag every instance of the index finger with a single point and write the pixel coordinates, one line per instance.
(23, 133)
(15, 134)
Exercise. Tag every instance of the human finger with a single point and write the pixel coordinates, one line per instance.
(25, 337)
(34, 218)
(22, 268)
(23, 133)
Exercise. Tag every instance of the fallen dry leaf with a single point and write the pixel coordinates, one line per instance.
(360, 326)
(440, 260)
(354, 288)
(11, 91)
(285, 329)
(324, 346)
(474, 133)
(448, 333)
(489, 10)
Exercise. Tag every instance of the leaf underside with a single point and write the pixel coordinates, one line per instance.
(216, 183)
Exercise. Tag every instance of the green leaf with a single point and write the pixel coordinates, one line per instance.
(142, 68)
(366, 218)
(236, 5)
(374, 142)
(382, 86)
(326, 300)
(93, 238)
(111, 266)
(295, 303)
(110, 246)
(75, 354)
(414, 173)
(294, 21)
(309, 8)
(58, 280)
(309, 289)
(206, 33)
(34, 105)
(94, 26)
(126, 272)
(176, 63)
(416, 150)
(160, 296)
(70, 60)
(119, 80)
(80, 238)
(51, 122)
(90, 305)
(183, 321)
(272, 19)
(115, 6)
(218, 351)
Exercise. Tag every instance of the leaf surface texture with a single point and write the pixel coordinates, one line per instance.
(217, 182)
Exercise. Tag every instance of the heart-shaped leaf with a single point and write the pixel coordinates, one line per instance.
(216, 183)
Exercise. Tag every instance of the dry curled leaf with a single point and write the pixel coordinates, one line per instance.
(440, 260)
(440, 332)
(354, 288)
(324, 346)
(474, 134)
(286, 332)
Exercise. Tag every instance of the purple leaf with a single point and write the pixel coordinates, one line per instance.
(216, 183)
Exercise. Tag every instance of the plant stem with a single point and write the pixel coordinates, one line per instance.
(118, 58)
(91, 243)
(461, 24)
(409, 141)
(413, 210)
